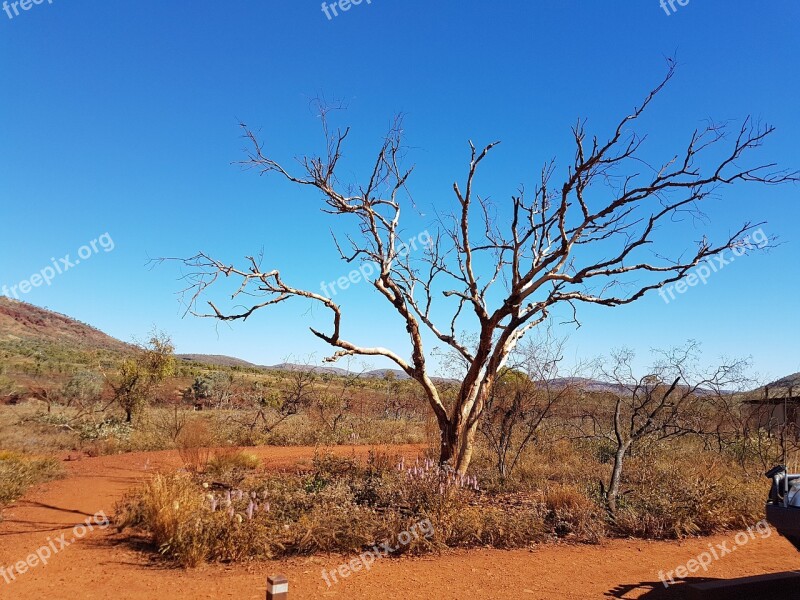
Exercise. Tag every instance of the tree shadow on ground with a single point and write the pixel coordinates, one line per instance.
(653, 590)
(776, 586)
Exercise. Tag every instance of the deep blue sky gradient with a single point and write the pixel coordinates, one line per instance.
(121, 117)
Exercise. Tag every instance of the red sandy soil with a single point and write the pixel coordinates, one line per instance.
(103, 565)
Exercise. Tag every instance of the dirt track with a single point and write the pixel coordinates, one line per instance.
(100, 566)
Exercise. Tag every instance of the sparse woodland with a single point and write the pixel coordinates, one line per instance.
(512, 450)
(643, 456)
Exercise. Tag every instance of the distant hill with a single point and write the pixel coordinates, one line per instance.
(383, 373)
(231, 361)
(597, 386)
(588, 385)
(314, 368)
(780, 388)
(20, 321)
(790, 381)
(218, 360)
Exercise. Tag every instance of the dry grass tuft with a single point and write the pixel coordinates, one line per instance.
(19, 472)
(340, 506)
(677, 498)
(194, 443)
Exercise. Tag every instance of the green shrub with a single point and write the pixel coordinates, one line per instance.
(109, 428)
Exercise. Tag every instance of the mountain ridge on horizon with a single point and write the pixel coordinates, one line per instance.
(22, 320)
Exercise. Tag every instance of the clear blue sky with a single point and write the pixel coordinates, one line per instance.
(121, 117)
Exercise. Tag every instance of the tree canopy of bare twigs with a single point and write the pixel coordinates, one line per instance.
(499, 270)
(669, 402)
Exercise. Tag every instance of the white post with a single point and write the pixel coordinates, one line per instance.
(277, 588)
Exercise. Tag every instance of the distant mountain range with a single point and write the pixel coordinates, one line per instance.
(229, 361)
(219, 360)
(20, 321)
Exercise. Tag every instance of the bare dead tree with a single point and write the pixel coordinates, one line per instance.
(264, 408)
(667, 403)
(523, 398)
(172, 420)
(298, 385)
(596, 239)
(333, 395)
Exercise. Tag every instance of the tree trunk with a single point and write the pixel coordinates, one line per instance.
(457, 446)
(465, 449)
(501, 466)
(449, 444)
(458, 431)
(458, 437)
(616, 477)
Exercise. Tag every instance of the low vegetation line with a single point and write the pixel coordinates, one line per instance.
(233, 510)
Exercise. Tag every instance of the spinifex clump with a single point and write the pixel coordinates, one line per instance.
(339, 506)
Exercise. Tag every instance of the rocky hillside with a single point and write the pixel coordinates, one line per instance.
(20, 321)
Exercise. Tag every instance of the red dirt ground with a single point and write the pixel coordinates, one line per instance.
(101, 566)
